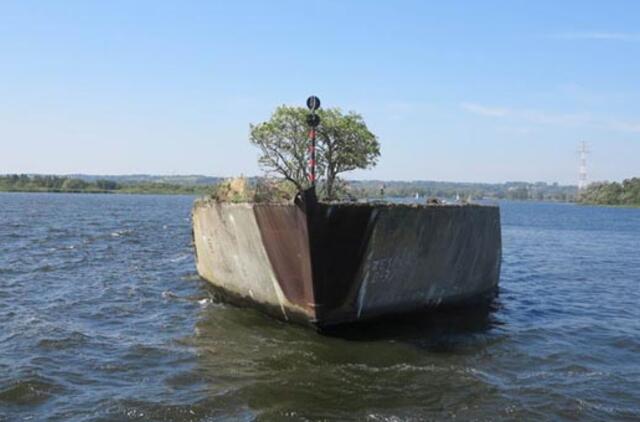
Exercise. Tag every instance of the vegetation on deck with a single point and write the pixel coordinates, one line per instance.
(344, 143)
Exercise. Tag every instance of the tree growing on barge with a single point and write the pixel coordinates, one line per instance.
(344, 144)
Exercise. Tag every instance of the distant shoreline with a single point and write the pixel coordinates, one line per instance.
(114, 192)
(182, 193)
(360, 189)
(201, 193)
(66, 184)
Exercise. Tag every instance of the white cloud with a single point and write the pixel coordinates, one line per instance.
(539, 117)
(599, 36)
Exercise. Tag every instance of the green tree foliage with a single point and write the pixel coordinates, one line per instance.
(74, 185)
(603, 193)
(284, 143)
(449, 190)
(106, 184)
(344, 143)
(26, 183)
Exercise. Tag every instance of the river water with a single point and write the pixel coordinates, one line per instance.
(103, 317)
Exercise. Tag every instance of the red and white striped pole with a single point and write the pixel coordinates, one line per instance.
(313, 120)
(312, 157)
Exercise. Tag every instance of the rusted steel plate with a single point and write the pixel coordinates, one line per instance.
(284, 234)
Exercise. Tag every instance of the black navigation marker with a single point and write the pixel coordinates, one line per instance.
(313, 103)
(313, 120)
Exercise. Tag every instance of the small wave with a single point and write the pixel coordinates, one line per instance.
(210, 409)
(62, 248)
(205, 302)
(46, 268)
(191, 277)
(202, 300)
(119, 233)
(29, 391)
(74, 339)
(382, 418)
(5, 270)
(399, 367)
(168, 294)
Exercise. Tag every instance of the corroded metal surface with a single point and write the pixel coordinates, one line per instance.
(336, 263)
(284, 234)
(231, 255)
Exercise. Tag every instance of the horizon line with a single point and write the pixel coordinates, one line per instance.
(256, 176)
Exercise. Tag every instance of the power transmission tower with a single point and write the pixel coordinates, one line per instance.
(582, 172)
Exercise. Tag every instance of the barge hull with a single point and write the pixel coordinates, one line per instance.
(341, 263)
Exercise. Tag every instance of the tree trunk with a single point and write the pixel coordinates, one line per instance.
(329, 185)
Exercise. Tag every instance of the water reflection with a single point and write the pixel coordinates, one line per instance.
(436, 330)
(405, 366)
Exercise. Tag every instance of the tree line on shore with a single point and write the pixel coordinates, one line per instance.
(600, 193)
(49, 183)
(614, 193)
(539, 191)
(355, 189)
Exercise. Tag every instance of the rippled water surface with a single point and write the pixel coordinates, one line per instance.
(103, 317)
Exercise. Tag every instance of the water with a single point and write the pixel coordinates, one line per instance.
(103, 317)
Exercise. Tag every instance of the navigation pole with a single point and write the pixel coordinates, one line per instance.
(313, 120)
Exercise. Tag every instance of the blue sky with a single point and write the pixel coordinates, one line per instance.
(458, 91)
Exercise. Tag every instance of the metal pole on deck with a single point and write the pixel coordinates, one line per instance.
(313, 120)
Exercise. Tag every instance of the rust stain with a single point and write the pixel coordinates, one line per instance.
(285, 237)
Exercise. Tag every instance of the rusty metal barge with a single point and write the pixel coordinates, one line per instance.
(335, 263)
